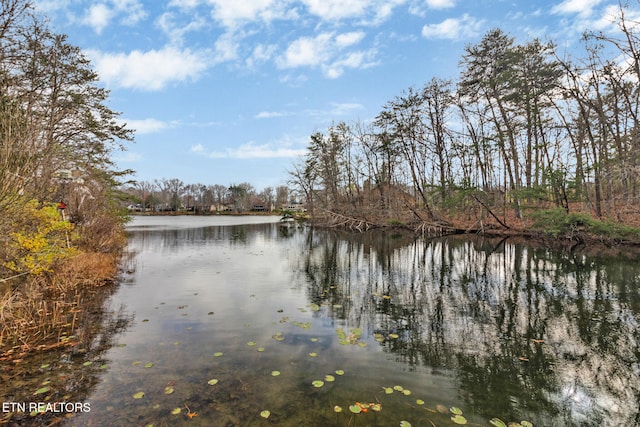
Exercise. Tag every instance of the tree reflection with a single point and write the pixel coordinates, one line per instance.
(529, 332)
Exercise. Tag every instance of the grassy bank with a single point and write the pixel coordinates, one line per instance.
(48, 267)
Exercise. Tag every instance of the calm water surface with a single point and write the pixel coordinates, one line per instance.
(494, 328)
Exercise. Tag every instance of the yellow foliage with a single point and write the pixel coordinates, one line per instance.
(40, 240)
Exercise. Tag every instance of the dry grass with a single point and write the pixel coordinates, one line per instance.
(43, 313)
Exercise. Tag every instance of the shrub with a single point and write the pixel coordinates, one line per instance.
(39, 240)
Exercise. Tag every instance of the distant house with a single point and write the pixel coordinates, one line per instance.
(258, 208)
(295, 207)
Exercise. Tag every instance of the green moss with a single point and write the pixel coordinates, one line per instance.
(559, 223)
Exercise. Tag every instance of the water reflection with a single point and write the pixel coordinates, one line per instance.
(531, 333)
(499, 328)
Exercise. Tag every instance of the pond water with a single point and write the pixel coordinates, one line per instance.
(245, 322)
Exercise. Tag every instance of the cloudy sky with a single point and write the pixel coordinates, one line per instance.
(228, 91)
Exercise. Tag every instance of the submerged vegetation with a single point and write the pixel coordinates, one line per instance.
(523, 134)
(60, 228)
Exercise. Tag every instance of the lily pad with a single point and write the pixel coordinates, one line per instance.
(148, 365)
(317, 383)
(176, 411)
(355, 409)
(455, 410)
(44, 366)
(329, 378)
(497, 422)
(265, 414)
(168, 390)
(313, 354)
(260, 349)
(459, 419)
(337, 408)
(251, 343)
(526, 424)
(212, 381)
(139, 395)
(419, 402)
(376, 407)
(275, 373)
(404, 423)
(313, 339)
(87, 363)
(339, 372)
(42, 390)
(398, 388)
(394, 336)
(388, 390)
(406, 392)
(218, 354)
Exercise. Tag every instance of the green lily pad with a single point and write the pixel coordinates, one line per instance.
(313, 339)
(218, 354)
(317, 383)
(455, 410)
(355, 409)
(459, 419)
(388, 390)
(176, 411)
(137, 362)
(44, 366)
(87, 363)
(329, 378)
(404, 423)
(497, 422)
(337, 408)
(148, 365)
(398, 388)
(104, 366)
(339, 372)
(419, 402)
(313, 354)
(275, 373)
(526, 424)
(251, 343)
(260, 349)
(168, 390)
(212, 381)
(42, 390)
(139, 395)
(394, 336)
(406, 392)
(265, 414)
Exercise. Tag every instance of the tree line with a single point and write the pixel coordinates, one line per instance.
(175, 195)
(522, 129)
(57, 135)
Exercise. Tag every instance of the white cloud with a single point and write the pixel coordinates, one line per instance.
(454, 28)
(337, 9)
(184, 4)
(252, 151)
(146, 125)
(327, 52)
(151, 70)
(261, 53)
(334, 10)
(583, 8)
(441, 4)
(233, 12)
(307, 51)
(198, 148)
(98, 17)
(176, 30)
(270, 114)
(348, 39)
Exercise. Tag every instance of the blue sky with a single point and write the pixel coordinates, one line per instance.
(229, 91)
